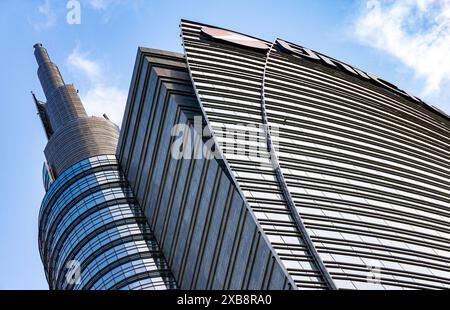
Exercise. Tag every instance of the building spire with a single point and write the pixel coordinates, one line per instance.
(48, 72)
(72, 135)
(63, 103)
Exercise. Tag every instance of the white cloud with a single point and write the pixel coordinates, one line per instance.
(105, 99)
(416, 32)
(48, 12)
(80, 63)
(45, 17)
(101, 4)
(101, 96)
(109, 9)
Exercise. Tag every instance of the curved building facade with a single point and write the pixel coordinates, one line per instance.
(368, 171)
(92, 232)
(228, 80)
(90, 221)
(292, 170)
(208, 233)
(350, 180)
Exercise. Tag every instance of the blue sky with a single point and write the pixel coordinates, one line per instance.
(407, 43)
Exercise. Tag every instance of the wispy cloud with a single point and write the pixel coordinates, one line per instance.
(101, 4)
(45, 17)
(101, 95)
(108, 8)
(79, 62)
(49, 13)
(416, 32)
(106, 99)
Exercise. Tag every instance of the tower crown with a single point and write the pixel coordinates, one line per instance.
(72, 135)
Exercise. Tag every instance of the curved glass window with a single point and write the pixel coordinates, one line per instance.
(93, 234)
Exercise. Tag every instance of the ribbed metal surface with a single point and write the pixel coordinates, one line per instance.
(73, 136)
(92, 232)
(366, 167)
(63, 103)
(369, 173)
(208, 234)
(80, 139)
(228, 81)
(297, 219)
(63, 106)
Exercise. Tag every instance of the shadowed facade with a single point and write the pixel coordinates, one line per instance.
(333, 178)
(92, 232)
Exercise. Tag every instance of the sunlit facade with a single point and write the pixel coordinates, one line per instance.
(305, 173)
(368, 171)
(352, 187)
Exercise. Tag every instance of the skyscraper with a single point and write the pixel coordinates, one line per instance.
(263, 165)
(357, 190)
(209, 236)
(92, 233)
(342, 175)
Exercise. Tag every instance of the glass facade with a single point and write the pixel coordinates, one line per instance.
(92, 232)
(327, 177)
(90, 219)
